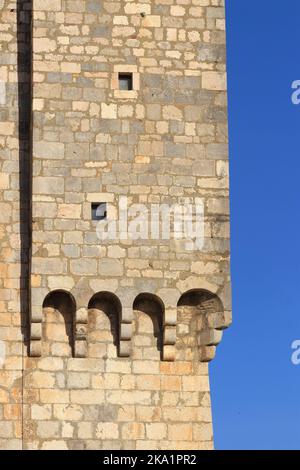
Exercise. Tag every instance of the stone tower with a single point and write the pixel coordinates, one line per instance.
(105, 343)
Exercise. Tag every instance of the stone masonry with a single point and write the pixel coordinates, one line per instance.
(105, 344)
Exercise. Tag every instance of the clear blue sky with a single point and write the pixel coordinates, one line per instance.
(255, 387)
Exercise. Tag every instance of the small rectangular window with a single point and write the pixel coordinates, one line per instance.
(99, 211)
(125, 81)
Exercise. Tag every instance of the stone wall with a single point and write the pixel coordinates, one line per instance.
(119, 332)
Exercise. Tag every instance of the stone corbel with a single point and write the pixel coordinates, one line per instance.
(125, 332)
(169, 334)
(169, 297)
(35, 349)
(80, 332)
(36, 317)
(207, 342)
(212, 335)
(126, 298)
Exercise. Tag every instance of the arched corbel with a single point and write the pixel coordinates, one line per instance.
(212, 319)
(216, 322)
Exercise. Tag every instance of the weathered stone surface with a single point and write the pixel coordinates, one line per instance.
(52, 150)
(83, 266)
(214, 81)
(48, 185)
(47, 5)
(110, 267)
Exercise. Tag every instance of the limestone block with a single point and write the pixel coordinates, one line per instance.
(107, 431)
(78, 380)
(108, 111)
(207, 353)
(80, 349)
(48, 266)
(170, 335)
(55, 445)
(110, 267)
(172, 112)
(4, 180)
(126, 331)
(36, 331)
(177, 10)
(48, 185)
(177, 431)
(86, 397)
(133, 431)
(151, 21)
(217, 151)
(83, 266)
(195, 383)
(82, 315)
(41, 412)
(69, 211)
(156, 431)
(35, 348)
(7, 128)
(210, 337)
(47, 429)
(98, 285)
(47, 5)
(60, 282)
(214, 81)
(124, 348)
(135, 8)
(51, 150)
(39, 379)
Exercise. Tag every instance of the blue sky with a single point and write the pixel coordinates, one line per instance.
(255, 386)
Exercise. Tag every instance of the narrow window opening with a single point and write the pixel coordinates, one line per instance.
(125, 81)
(99, 211)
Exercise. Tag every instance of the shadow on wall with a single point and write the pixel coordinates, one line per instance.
(24, 67)
(59, 309)
(104, 312)
(148, 326)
